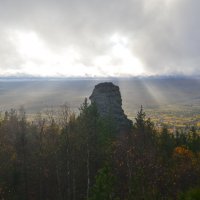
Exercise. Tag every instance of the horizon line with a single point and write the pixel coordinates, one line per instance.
(98, 77)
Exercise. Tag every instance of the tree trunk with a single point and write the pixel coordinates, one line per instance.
(88, 170)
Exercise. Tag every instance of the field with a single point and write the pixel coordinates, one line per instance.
(176, 116)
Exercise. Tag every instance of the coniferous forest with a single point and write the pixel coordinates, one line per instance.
(65, 156)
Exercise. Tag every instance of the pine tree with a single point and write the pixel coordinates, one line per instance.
(103, 188)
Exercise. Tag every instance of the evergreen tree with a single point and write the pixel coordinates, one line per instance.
(104, 185)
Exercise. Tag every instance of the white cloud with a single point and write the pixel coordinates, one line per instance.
(97, 38)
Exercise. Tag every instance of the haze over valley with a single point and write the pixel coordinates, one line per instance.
(158, 94)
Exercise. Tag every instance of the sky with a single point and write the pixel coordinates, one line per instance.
(70, 38)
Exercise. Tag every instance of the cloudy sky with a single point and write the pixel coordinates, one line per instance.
(99, 37)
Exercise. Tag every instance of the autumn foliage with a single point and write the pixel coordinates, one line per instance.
(62, 156)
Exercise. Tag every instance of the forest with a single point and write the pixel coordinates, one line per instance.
(67, 156)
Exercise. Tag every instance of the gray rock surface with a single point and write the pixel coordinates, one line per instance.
(108, 100)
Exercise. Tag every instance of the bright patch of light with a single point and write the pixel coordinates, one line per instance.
(40, 60)
(130, 64)
(119, 60)
(117, 39)
(29, 45)
(102, 60)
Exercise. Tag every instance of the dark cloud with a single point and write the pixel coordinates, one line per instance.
(163, 34)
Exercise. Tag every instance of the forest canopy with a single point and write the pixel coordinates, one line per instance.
(69, 156)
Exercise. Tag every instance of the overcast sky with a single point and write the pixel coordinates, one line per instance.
(99, 37)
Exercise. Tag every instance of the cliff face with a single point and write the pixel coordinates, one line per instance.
(108, 100)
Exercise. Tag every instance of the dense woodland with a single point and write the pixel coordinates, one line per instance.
(64, 156)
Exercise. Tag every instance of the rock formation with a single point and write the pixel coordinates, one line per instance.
(108, 100)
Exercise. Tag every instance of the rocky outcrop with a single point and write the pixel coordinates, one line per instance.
(108, 100)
